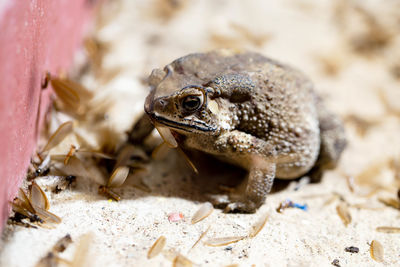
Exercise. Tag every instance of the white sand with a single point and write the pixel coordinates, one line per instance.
(306, 35)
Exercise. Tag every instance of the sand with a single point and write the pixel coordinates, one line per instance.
(350, 49)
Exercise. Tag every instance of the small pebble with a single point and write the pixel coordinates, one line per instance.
(335, 262)
(352, 249)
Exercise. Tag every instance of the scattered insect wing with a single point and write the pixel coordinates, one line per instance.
(343, 213)
(223, 241)
(388, 229)
(259, 225)
(376, 251)
(157, 247)
(203, 212)
(63, 130)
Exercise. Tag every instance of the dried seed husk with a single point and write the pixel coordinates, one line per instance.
(390, 202)
(388, 229)
(344, 214)
(376, 251)
(65, 129)
(181, 261)
(365, 206)
(82, 168)
(188, 160)
(223, 241)
(395, 166)
(131, 155)
(95, 154)
(160, 151)
(167, 136)
(200, 237)
(118, 176)
(109, 193)
(350, 183)
(107, 139)
(362, 125)
(50, 260)
(203, 212)
(157, 247)
(66, 92)
(24, 201)
(16, 207)
(81, 154)
(139, 183)
(38, 197)
(82, 250)
(370, 175)
(47, 216)
(24, 206)
(330, 200)
(259, 225)
(124, 155)
(170, 254)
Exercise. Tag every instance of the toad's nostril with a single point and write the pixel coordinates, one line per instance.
(161, 104)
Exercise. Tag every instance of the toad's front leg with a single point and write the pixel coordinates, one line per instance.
(251, 194)
(258, 157)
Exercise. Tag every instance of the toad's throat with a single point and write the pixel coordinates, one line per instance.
(187, 126)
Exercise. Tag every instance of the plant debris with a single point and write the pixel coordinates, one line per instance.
(376, 251)
(223, 241)
(203, 212)
(200, 237)
(157, 247)
(65, 129)
(388, 229)
(390, 202)
(290, 204)
(181, 261)
(52, 258)
(259, 225)
(34, 206)
(344, 213)
(117, 178)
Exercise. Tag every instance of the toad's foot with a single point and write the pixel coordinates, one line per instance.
(242, 207)
(219, 200)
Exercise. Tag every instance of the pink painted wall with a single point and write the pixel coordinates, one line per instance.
(35, 36)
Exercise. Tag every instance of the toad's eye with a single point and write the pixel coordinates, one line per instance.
(191, 103)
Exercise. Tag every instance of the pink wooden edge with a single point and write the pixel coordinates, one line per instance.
(35, 36)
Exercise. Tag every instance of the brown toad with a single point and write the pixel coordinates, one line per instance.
(248, 110)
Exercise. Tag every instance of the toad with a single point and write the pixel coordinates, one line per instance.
(248, 110)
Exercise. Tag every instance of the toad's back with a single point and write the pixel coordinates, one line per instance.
(281, 109)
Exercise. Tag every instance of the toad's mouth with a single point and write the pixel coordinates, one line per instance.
(183, 124)
(187, 125)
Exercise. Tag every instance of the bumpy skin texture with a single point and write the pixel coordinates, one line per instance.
(248, 110)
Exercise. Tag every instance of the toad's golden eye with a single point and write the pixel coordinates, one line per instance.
(191, 103)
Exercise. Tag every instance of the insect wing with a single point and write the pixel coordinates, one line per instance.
(118, 176)
(38, 197)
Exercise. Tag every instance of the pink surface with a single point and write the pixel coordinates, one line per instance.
(35, 36)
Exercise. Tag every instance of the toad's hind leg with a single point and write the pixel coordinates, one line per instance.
(333, 142)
